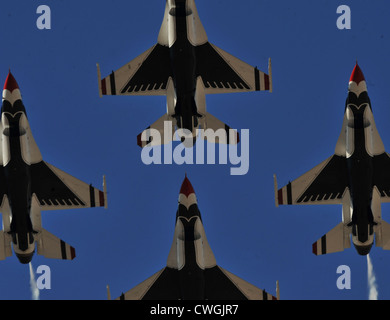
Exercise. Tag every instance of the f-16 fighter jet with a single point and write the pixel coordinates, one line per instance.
(28, 185)
(185, 67)
(356, 176)
(192, 272)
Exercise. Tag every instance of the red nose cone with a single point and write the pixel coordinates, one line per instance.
(357, 75)
(186, 187)
(10, 83)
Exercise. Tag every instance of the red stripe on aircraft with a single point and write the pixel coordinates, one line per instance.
(280, 196)
(72, 253)
(139, 142)
(315, 248)
(101, 198)
(104, 89)
(266, 82)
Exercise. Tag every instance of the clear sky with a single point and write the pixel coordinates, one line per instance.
(291, 131)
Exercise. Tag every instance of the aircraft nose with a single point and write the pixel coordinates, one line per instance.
(11, 91)
(186, 187)
(357, 74)
(187, 195)
(357, 82)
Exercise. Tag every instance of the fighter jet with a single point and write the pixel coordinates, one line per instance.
(192, 272)
(28, 185)
(184, 67)
(357, 176)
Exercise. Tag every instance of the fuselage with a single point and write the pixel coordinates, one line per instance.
(192, 282)
(183, 63)
(17, 175)
(190, 253)
(360, 169)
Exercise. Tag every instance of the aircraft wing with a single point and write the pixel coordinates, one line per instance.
(145, 75)
(221, 72)
(55, 189)
(160, 286)
(324, 184)
(222, 284)
(381, 165)
(219, 284)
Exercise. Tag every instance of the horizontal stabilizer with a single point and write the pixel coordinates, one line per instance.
(158, 133)
(218, 132)
(49, 246)
(335, 240)
(382, 235)
(5, 245)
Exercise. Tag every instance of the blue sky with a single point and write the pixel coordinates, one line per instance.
(291, 130)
